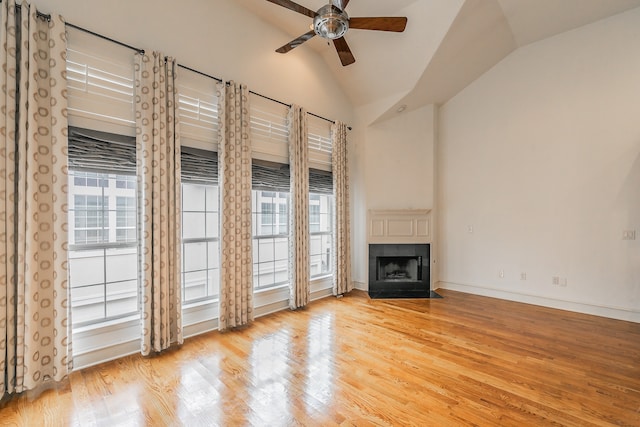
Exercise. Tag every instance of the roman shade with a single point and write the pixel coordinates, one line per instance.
(96, 151)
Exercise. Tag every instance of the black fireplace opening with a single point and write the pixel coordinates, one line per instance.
(399, 268)
(399, 271)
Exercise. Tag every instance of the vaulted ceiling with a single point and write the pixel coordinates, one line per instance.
(447, 43)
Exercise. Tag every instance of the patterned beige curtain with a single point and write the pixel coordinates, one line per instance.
(299, 209)
(342, 234)
(35, 335)
(158, 164)
(236, 284)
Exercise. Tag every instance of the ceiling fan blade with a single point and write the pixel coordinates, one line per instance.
(296, 42)
(340, 4)
(395, 24)
(295, 7)
(346, 57)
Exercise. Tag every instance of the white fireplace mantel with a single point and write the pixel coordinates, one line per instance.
(399, 226)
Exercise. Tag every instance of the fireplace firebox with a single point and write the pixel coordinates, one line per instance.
(399, 271)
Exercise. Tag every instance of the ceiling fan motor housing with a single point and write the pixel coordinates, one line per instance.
(330, 22)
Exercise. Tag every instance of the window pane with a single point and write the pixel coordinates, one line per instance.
(212, 200)
(122, 298)
(87, 303)
(193, 197)
(266, 276)
(195, 256)
(86, 267)
(212, 222)
(121, 264)
(265, 250)
(195, 285)
(193, 225)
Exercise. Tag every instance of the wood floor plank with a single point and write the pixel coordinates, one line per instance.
(461, 360)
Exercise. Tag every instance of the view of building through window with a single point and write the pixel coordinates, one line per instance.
(321, 234)
(270, 238)
(103, 253)
(200, 243)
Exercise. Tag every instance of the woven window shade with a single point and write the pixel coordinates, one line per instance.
(268, 176)
(320, 182)
(95, 151)
(199, 166)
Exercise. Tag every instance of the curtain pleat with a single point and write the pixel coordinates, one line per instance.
(342, 282)
(35, 324)
(158, 168)
(236, 284)
(299, 290)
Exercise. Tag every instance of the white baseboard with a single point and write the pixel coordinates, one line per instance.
(618, 313)
(360, 286)
(105, 354)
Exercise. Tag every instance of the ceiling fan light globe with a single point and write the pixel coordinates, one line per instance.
(330, 23)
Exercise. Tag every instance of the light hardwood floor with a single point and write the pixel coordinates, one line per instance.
(461, 360)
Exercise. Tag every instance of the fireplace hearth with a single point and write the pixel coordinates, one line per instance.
(399, 271)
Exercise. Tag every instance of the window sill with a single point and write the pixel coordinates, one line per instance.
(113, 323)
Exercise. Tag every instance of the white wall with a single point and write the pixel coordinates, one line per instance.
(217, 37)
(541, 156)
(394, 170)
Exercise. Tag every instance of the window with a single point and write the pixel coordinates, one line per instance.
(199, 124)
(103, 267)
(321, 234)
(270, 239)
(200, 242)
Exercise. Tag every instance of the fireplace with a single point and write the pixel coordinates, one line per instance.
(399, 271)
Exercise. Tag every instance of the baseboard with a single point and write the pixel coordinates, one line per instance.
(105, 354)
(361, 286)
(618, 313)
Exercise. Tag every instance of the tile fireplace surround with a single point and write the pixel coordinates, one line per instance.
(400, 239)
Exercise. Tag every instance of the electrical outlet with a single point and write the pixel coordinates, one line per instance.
(629, 235)
(523, 276)
(555, 280)
(501, 274)
(470, 229)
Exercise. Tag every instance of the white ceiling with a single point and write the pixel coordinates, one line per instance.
(447, 43)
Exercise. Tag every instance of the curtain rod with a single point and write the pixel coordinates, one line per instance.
(200, 72)
(289, 105)
(270, 99)
(119, 43)
(141, 51)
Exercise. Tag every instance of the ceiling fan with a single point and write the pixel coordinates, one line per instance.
(332, 22)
